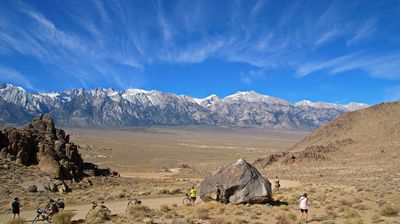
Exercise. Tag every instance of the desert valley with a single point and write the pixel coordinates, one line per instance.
(349, 168)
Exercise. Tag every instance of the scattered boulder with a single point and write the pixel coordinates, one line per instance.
(236, 183)
(270, 159)
(32, 188)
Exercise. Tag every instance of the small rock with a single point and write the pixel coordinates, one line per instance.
(32, 188)
(6, 166)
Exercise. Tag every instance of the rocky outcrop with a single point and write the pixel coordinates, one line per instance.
(41, 143)
(236, 183)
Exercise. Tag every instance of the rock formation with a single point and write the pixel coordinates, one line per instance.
(236, 183)
(41, 143)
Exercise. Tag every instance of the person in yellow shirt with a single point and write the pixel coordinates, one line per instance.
(193, 193)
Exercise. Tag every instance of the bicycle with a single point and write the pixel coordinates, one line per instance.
(187, 200)
(46, 214)
(133, 202)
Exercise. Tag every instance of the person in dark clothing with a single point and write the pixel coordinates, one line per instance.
(15, 207)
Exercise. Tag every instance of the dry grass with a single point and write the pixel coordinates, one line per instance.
(389, 210)
(16, 221)
(64, 217)
(202, 213)
(140, 212)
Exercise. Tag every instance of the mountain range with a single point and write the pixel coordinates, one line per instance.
(134, 107)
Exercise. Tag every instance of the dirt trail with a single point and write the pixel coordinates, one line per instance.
(119, 206)
(116, 207)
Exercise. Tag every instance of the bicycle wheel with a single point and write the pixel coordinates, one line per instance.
(36, 219)
(186, 201)
(49, 218)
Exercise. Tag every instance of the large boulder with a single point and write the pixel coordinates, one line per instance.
(50, 166)
(236, 183)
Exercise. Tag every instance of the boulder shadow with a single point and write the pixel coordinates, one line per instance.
(277, 203)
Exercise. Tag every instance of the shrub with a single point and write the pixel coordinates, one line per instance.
(217, 221)
(331, 213)
(360, 207)
(179, 221)
(17, 221)
(345, 202)
(164, 208)
(292, 216)
(319, 218)
(389, 210)
(282, 219)
(284, 208)
(350, 213)
(376, 218)
(98, 215)
(140, 212)
(202, 213)
(175, 191)
(64, 217)
(354, 221)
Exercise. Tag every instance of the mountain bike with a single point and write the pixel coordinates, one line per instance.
(46, 214)
(187, 200)
(133, 202)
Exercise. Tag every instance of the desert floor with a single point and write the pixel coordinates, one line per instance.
(158, 164)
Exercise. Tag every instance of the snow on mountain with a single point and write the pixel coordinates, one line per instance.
(208, 101)
(254, 97)
(111, 108)
(320, 105)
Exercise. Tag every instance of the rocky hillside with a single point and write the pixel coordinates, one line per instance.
(132, 107)
(368, 134)
(378, 125)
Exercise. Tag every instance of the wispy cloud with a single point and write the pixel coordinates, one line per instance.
(194, 53)
(114, 41)
(328, 36)
(9, 75)
(366, 29)
(253, 75)
(382, 66)
(164, 25)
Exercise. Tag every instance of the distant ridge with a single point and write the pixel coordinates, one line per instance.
(110, 108)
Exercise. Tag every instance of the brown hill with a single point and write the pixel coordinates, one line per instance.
(375, 127)
(363, 135)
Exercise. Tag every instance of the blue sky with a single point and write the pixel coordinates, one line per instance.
(336, 51)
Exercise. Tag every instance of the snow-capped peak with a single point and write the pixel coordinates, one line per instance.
(252, 96)
(7, 86)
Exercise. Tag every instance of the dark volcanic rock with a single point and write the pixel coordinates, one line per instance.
(236, 183)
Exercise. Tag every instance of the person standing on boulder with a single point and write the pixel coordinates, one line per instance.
(277, 183)
(15, 207)
(304, 207)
